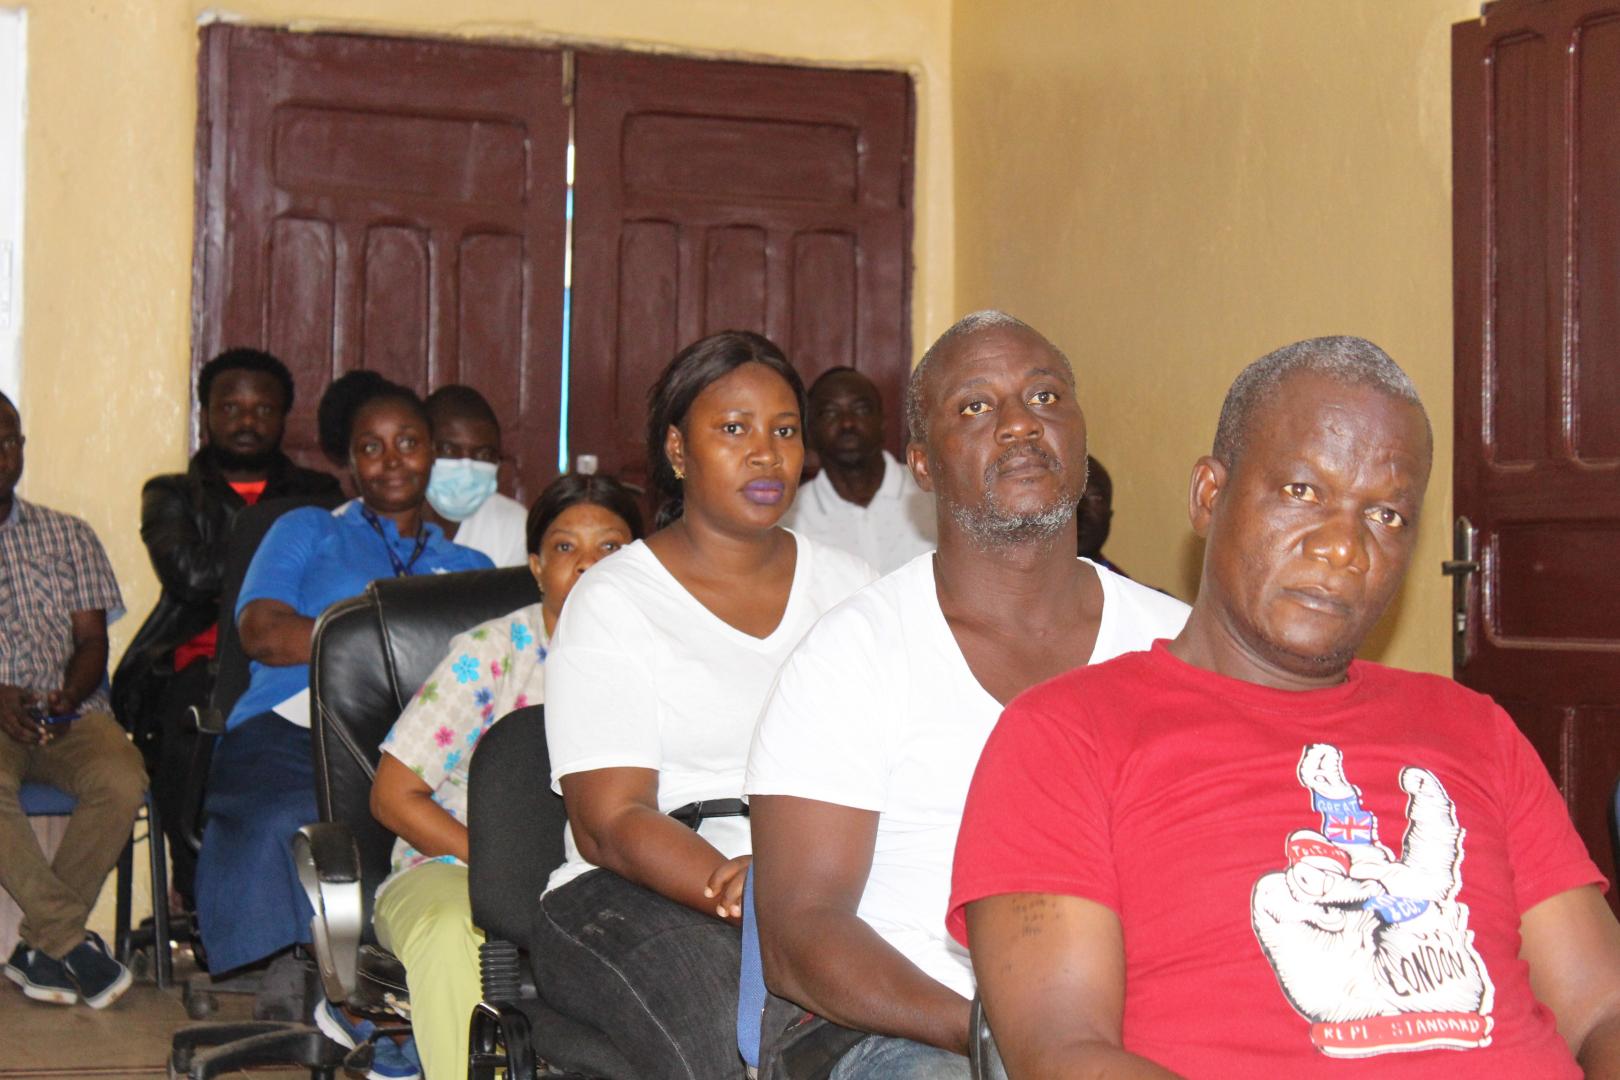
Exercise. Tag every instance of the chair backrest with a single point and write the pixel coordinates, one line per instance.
(514, 824)
(369, 656)
(247, 532)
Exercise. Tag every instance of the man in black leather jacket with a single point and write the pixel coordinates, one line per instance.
(186, 523)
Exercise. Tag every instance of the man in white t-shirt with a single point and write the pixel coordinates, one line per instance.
(863, 500)
(862, 758)
(461, 494)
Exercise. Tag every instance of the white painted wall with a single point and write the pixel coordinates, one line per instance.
(13, 111)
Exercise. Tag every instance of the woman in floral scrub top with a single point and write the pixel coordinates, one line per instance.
(423, 914)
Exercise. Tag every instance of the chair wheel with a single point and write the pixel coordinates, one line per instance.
(140, 964)
(200, 1004)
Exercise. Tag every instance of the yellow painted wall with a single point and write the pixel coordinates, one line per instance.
(1170, 190)
(111, 117)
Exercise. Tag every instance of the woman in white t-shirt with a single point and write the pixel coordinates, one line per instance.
(661, 662)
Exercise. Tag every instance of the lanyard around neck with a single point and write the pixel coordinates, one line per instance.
(401, 569)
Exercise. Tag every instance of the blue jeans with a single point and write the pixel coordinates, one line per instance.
(884, 1057)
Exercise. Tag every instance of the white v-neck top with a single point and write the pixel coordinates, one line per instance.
(642, 675)
(877, 709)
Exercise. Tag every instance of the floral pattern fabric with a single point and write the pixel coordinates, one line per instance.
(487, 672)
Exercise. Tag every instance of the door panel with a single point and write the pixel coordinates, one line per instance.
(1537, 468)
(389, 204)
(714, 196)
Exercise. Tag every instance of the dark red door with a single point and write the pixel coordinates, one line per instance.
(388, 204)
(1537, 280)
(713, 196)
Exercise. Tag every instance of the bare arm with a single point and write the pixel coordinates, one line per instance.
(88, 664)
(1572, 944)
(813, 859)
(1051, 971)
(617, 826)
(274, 634)
(403, 803)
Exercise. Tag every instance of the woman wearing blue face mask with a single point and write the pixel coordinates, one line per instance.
(461, 495)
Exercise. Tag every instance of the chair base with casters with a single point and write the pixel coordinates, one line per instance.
(44, 800)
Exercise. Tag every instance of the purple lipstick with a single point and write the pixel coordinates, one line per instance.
(765, 492)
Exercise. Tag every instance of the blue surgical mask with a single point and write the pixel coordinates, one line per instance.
(457, 487)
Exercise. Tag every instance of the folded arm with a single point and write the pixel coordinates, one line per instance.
(274, 633)
(813, 859)
(617, 825)
(402, 802)
(1051, 972)
(187, 566)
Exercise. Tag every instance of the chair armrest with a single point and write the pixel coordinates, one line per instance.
(329, 869)
(983, 1057)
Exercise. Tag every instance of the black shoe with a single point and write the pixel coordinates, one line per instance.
(40, 977)
(101, 979)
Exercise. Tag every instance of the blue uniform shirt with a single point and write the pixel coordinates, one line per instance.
(309, 560)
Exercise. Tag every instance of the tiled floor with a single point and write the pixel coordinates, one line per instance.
(128, 1039)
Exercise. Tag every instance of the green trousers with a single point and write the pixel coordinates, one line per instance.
(425, 919)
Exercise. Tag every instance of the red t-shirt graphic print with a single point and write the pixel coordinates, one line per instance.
(1309, 884)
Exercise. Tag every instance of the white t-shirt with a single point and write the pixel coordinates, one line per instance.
(890, 531)
(877, 709)
(642, 675)
(498, 528)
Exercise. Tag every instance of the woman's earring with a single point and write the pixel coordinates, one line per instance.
(679, 475)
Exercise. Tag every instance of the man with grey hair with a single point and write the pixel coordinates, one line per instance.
(1244, 850)
(862, 757)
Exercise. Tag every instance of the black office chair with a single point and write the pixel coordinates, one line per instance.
(983, 1056)
(369, 655)
(515, 835)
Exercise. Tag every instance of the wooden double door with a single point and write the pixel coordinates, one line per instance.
(399, 205)
(1537, 468)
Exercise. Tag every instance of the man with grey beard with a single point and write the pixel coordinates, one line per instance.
(861, 761)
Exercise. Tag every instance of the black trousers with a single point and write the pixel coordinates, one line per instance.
(168, 760)
(654, 976)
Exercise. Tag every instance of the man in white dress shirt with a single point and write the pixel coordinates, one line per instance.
(863, 501)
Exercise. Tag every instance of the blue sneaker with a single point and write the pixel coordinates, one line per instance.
(101, 979)
(40, 977)
(389, 1060)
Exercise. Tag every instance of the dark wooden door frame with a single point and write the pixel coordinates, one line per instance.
(1536, 249)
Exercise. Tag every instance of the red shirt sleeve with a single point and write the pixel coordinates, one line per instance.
(1547, 854)
(1037, 817)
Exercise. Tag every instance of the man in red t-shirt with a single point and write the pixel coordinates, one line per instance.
(1243, 850)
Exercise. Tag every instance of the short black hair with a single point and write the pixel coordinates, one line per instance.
(1347, 360)
(244, 360)
(457, 400)
(8, 403)
(342, 402)
(572, 489)
(688, 375)
(832, 372)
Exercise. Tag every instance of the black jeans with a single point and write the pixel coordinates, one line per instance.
(656, 977)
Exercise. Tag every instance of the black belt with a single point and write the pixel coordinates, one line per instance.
(694, 814)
